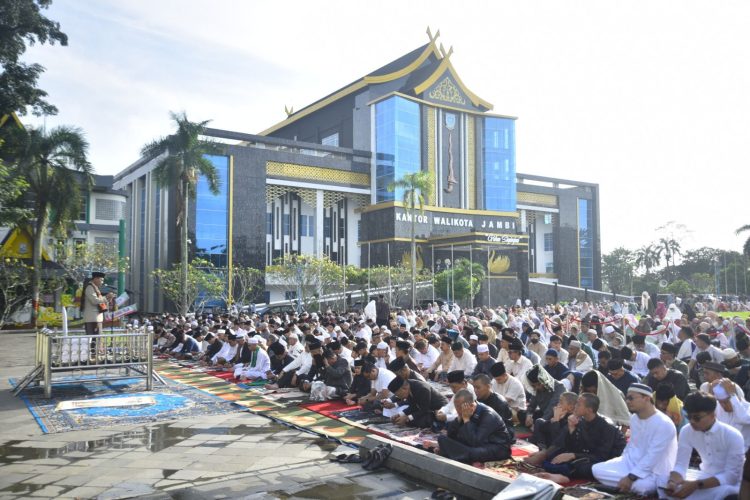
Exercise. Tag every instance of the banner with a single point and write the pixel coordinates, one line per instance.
(120, 301)
(125, 311)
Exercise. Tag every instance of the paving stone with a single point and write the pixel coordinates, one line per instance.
(83, 492)
(49, 492)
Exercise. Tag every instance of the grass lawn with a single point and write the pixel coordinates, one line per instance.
(743, 314)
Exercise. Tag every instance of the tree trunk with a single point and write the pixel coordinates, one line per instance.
(184, 237)
(36, 263)
(413, 262)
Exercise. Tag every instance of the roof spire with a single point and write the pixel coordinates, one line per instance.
(289, 111)
(429, 34)
(446, 54)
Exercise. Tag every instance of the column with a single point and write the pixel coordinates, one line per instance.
(319, 239)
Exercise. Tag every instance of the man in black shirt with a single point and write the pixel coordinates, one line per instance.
(658, 374)
(422, 399)
(483, 390)
(587, 440)
(619, 376)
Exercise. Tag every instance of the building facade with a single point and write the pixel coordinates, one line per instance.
(319, 182)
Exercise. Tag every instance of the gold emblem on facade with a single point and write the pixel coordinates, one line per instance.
(446, 91)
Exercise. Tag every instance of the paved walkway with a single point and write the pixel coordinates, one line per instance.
(238, 455)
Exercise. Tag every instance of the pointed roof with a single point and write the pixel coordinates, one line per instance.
(423, 66)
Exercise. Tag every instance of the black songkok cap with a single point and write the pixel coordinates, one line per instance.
(446, 339)
(669, 347)
(335, 345)
(395, 384)
(396, 365)
(516, 345)
(533, 374)
(359, 362)
(456, 376)
(277, 348)
(497, 369)
(314, 344)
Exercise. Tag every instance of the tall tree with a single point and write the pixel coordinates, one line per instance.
(181, 162)
(416, 187)
(617, 269)
(746, 246)
(670, 248)
(55, 167)
(647, 257)
(22, 23)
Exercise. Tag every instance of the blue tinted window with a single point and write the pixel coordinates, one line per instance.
(585, 244)
(269, 223)
(397, 144)
(499, 155)
(287, 224)
(211, 216)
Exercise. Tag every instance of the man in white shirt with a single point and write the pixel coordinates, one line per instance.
(293, 345)
(637, 359)
(650, 452)
(509, 387)
(227, 351)
(463, 359)
(517, 364)
(379, 378)
(259, 366)
(712, 373)
(425, 355)
(722, 452)
(578, 361)
(555, 343)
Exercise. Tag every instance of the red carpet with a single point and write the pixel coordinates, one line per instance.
(328, 407)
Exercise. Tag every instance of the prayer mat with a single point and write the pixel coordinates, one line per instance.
(523, 448)
(174, 401)
(329, 408)
(522, 432)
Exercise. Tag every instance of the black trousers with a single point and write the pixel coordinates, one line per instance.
(456, 450)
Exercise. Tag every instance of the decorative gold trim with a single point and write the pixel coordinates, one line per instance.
(430, 208)
(548, 200)
(429, 50)
(470, 163)
(431, 167)
(349, 89)
(296, 171)
(543, 275)
(439, 105)
(446, 91)
(445, 65)
(15, 119)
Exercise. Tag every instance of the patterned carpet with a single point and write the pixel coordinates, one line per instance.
(170, 402)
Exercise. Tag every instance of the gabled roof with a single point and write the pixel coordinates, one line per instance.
(422, 65)
(15, 118)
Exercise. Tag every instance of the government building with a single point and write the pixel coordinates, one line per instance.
(317, 183)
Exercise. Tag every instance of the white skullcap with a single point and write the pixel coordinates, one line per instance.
(482, 348)
(609, 329)
(575, 343)
(473, 337)
(729, 353)
(382, 345)
(253, 340)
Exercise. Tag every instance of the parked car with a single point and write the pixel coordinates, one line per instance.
(277, 309)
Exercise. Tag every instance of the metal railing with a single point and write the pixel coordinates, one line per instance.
(101, 357)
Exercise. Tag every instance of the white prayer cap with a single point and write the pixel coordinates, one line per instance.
(575, 343)
(241, 335)
(150, 328)
(482, 348)
(360, 334)
(609, 329)
(473, 337)
(253, 340)
(293, 336)
(382, 345)
(729, 353)
(221, 331)
(193, 323)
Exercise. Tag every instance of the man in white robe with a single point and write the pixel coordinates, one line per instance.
(650, 452)
(721, 449)
(259, 366)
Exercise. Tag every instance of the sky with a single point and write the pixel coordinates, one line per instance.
(647, 99)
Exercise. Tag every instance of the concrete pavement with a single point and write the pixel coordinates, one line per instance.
(238, 455)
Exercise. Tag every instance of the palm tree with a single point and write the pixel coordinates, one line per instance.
(56, 169)
(647, 257)
(746, 246)
(417, 187)
(182, 160)
(671, 248)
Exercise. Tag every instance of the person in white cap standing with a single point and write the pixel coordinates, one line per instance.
(651, 451)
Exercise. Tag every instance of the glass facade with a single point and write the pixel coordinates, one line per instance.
(211, 216)
(397, 144)
(585, 244)
(499, 154)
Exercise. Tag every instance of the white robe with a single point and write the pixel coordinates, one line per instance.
(513, 392)
(258, 370)
(650, 454)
